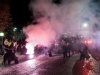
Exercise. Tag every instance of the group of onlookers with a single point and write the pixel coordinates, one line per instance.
(18, 45)
(71, 46)
(10, 46)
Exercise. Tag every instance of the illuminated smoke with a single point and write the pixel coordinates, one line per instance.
(54, 18)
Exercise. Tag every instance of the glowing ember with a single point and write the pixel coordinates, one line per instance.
(30, 48)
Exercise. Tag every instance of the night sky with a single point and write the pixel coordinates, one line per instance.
(20, 13)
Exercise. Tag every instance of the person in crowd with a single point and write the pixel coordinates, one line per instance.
(10, 55)
(50, 50)
(83, 51)
(50, 53)
(5, 45)
(77, 46)
(64, 48)
(6, 42)
(68, 49)
(73, 47)
(15, 45)
(23, 48)
(19, 43)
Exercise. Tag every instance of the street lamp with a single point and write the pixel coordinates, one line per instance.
(85, 24)
(2, 34)
(14, 29)
(15, 32)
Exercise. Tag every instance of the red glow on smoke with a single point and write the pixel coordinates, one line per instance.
(88, 42)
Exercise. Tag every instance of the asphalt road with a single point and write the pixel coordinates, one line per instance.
(42, 65)
(56, 65)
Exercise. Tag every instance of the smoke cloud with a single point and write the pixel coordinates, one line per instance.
(94, 6)
(55, 18)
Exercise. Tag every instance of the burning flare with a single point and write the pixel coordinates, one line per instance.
(30, 48)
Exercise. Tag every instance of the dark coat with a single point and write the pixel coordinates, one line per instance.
(84, 50)
(64, 48)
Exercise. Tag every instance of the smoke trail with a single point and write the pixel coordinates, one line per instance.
(54, 18)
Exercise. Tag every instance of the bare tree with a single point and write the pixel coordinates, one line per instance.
(4, 13)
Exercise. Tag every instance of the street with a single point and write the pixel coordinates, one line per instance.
(50, 37)
(45, 65)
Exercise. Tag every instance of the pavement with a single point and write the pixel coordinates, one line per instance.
(21, 58)
(72, 67)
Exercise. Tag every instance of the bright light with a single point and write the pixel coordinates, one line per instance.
(30, 48)
(1, 34)
(31, 56)
(15, 29)
(88, 42)
(31, 63)
(85, 24)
